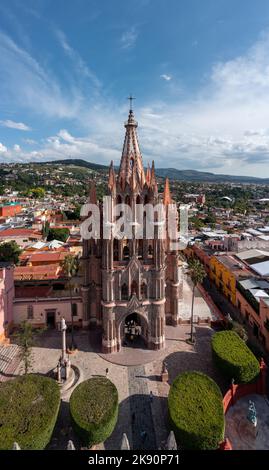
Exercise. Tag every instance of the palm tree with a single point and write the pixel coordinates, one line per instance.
(197, 274)
(70, 266)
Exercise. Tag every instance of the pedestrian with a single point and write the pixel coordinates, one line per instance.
(151, 397)
(106, 372)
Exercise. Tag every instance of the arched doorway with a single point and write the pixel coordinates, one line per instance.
(134, 331)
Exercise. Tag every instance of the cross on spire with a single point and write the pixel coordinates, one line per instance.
(131, 98)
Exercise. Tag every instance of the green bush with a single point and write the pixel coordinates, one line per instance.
(29, 407)
(234, 358)
(196, 411)
(94, 410)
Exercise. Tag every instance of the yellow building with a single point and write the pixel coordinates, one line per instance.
(224, 271)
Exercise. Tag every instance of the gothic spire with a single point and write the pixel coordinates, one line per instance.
(111, 177)
(92, 193)
(131, 155)
(148, 175)
(134, 176)
(166, 194)
(153, 181)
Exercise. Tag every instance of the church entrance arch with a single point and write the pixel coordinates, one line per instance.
(134, 330)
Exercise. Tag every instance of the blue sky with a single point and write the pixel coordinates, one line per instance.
(199, 71)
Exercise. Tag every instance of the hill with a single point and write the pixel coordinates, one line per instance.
(173, 174)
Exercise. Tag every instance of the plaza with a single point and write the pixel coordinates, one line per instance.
(136, 382)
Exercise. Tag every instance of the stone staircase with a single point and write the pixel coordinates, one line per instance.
(9, 361)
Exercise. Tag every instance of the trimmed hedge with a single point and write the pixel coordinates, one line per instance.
(29, 407)
(234, 358)
(94, 410)
(196, 411)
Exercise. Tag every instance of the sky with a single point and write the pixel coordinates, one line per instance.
(199, 71)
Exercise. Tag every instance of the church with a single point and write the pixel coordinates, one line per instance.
(131, 282)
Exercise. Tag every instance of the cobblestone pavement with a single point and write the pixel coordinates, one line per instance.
(134, 383)
(241, 433)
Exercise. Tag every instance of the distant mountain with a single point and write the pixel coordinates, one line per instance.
(78, 162)
(173, 174)
(195, 175)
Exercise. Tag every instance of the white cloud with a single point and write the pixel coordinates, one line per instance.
(129, 38)
(3, 148)
(15, 125)
(166, 77)
(16, 148)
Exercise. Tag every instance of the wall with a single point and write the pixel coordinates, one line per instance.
(223, 278)
(6, 301)
(264, 315)
(10, 210)
(62, 307)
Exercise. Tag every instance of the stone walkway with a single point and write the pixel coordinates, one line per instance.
(140, 408)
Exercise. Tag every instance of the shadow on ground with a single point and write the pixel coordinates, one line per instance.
(200, 359)
(63, 431)
(135, 420)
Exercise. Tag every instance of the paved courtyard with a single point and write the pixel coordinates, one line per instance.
(240, 431)
(137, 412)
(201, 308)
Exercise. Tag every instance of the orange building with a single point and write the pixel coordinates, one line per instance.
(10, 210)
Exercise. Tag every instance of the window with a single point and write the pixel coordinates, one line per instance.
(150, 251)
(134, 288)
(126, 252)
(140, 248)
(30, 312)
(124, 292)
(116, 249)
(144, 290)
(74, 310)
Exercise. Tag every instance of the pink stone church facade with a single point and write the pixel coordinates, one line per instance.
(131, 278)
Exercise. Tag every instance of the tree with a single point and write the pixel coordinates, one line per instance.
(61, 234)
(197, 274)
(10, 252)
(70, 266)
(73, 214)
(25, 338)
(45, 229)
(37, 193)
